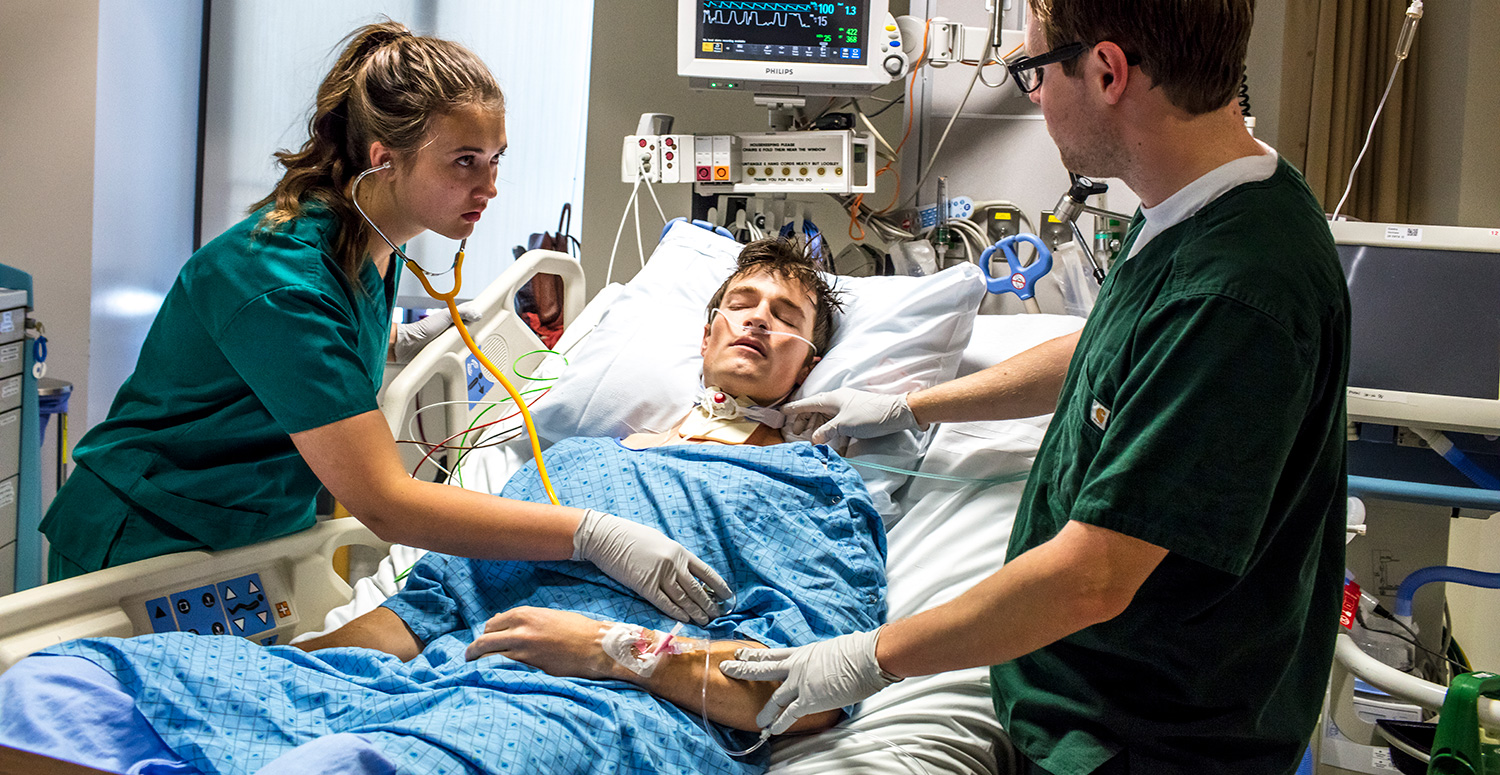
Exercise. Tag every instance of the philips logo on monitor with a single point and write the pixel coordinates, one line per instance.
(779, 71)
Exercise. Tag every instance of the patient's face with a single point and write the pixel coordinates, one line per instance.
(759, 364)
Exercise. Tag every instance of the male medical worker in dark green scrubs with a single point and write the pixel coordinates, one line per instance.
(256, 384)
(1171, 596)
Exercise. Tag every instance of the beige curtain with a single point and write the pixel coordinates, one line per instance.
(1337, 61)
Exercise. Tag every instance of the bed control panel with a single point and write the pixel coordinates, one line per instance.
(244, 606)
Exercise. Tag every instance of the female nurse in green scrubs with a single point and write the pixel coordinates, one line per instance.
(257, 381)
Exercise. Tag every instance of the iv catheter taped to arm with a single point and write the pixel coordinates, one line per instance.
(641, 651)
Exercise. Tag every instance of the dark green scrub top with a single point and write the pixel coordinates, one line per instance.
(1203, 412)
(262, 336)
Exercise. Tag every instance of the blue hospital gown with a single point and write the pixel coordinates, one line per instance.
(790, 528)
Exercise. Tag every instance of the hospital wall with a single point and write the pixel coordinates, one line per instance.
(1456, 164)
(48, 54)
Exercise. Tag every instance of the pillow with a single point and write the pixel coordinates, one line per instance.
(998, 337)
(640, 369)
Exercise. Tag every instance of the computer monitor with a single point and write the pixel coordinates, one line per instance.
(824, 48)
(1425, 326)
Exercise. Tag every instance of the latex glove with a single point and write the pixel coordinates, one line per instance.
(412, 337)
(816, 677)
(656, 567)
(851, 413)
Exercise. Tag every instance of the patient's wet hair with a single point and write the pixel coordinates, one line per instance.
(790, 262)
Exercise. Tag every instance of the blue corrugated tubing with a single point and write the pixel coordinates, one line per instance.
(1418, 578)
(1471, 469)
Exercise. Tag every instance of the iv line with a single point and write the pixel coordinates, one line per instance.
(458, 322)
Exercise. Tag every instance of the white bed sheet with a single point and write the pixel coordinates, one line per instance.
(952, 536)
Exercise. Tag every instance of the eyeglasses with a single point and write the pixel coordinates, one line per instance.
(1027, 71)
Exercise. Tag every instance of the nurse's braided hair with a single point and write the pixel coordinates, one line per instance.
(788, 261)
(386, 85)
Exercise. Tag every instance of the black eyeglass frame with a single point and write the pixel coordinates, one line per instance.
(1059, 54)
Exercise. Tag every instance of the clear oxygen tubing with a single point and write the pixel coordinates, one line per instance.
(463, 330)
(746, 328)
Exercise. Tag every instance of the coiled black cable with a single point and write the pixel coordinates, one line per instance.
(1245, 93)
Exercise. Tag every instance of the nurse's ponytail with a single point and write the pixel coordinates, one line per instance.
(386, 85)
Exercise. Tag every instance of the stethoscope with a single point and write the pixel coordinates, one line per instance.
(450, 299)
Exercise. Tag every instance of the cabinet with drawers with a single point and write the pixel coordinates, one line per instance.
(12, 380)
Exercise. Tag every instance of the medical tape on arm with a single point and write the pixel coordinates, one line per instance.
(641, 651)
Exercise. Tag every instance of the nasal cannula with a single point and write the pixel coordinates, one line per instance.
(463, 331)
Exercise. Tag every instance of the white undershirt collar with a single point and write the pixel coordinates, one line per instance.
(1194, 196)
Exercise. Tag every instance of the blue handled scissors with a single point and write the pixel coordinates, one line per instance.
(1022, 280)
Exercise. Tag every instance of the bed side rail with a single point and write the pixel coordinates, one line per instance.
(1349, 663)
(268, 592)
(502, 336)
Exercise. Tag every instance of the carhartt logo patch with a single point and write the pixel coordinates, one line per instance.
(1099, 415)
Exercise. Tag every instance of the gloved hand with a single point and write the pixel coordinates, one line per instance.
(816, 677)
(656, 567)
(412, 337)
(851, 413)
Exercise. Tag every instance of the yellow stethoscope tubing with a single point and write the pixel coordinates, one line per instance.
(463, 331)
(458, 322)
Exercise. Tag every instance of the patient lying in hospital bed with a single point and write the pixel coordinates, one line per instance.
(789, 526)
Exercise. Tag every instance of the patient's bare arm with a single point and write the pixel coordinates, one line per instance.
(564, 643)
(380, 629)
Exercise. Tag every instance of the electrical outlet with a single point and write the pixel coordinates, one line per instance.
(1053, 231)
(1001, 222)
(640, 155)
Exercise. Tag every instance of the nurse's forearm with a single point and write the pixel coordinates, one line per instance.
(1083, 576)
(453, 520)
(356, 460)
(1025, 385)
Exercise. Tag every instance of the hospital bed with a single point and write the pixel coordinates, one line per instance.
(946, 529)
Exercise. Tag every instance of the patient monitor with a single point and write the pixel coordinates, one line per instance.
(831, 47)
(1426, 336)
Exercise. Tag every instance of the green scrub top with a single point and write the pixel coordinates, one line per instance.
(1203, 412)
(262, 335)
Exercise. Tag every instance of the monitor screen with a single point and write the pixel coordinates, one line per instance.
(1424, 320)
(784, 32)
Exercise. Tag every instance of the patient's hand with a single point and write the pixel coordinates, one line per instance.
(558, 642)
